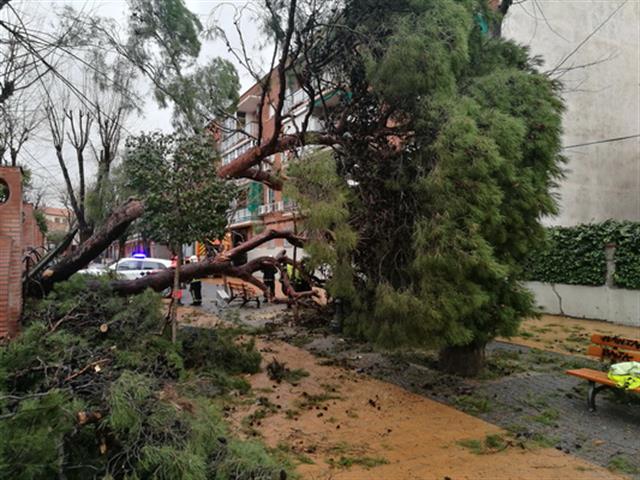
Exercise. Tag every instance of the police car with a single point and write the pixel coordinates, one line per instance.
(138, 266)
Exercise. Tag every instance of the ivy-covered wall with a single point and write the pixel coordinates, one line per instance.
(575, 255)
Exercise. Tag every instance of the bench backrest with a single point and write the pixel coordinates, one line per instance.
(615, 349)
(241, 286)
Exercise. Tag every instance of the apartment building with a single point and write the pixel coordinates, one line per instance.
(258, 206)
(58, 219)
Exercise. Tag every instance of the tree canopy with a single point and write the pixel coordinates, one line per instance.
(184, 199)
(449, 152)
(441, 143)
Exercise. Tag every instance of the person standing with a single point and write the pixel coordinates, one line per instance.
(269, 279)
(195, 287)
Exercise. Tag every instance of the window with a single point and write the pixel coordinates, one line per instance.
(152, 266)
(242, 119)
(129, 265)
(4, 191)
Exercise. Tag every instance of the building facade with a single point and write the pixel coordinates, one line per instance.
(593, 48)
(258, 206)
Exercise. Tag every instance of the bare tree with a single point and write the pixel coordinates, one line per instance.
(20, 118)
(65, 124)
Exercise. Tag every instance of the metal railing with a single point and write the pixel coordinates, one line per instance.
(243, 215)
(282, 206)
(294, 99)
(231, 139)
(236, 152)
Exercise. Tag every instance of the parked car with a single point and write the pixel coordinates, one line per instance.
(137, 266)
(94, 269)
(131, 268)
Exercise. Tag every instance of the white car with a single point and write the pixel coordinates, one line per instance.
(138, 266)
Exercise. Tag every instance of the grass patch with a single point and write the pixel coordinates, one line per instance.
(539, 440)
(278, 371)
(294, 376)
(309, 401)
(579, 338)
(300, 340)
(341, 448)
(291, 414)
(491, 444)
(289, 451)
(474, 446)
(366, 462)
(622, 464)
(474, 404)
(525, 334)
(548, 416)
(502, 363)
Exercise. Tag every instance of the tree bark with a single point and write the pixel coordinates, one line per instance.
(176, 295)
(115, 225)
(243, 165)
(221, 264)
(466, 360)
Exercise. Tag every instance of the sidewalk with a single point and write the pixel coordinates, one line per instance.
(346, 425)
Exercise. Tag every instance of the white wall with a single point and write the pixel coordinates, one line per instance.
(603, 100)
(616, 305)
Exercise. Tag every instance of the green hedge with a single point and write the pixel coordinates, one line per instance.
(627, 257)
(575, 255)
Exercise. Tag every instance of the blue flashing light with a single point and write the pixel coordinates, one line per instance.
(139, 255)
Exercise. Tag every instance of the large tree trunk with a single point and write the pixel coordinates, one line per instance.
(466, 360)
(115, 225)
(221, 264)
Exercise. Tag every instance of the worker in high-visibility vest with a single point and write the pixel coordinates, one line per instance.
(195, 287)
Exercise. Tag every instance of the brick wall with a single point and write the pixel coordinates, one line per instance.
(11, 252)
(31, 235)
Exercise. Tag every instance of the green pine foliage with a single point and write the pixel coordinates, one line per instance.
(91, 389)
(323, 197)
(439, 229)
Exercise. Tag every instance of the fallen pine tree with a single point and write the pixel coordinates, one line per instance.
(90, 389)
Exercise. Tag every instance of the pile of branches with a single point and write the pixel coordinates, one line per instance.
(92, 389)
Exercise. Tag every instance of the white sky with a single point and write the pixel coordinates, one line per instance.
(38, 153)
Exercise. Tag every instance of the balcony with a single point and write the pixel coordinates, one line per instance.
(242, 215)
(282, 206)
(246, 134)
(294, 100)
(231, 155)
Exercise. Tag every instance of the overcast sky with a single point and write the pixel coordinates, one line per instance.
(39, 154)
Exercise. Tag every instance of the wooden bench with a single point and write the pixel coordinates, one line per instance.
(608, 349)
(239, 289)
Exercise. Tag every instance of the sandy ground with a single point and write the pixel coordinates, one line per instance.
(343, 425)
(566, 335)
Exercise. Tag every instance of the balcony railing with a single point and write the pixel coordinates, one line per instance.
(243, 215)
(294, 99)
(236, 152)
(282, 206)
(233, 138)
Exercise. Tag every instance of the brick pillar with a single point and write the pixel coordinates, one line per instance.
(11, 252)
